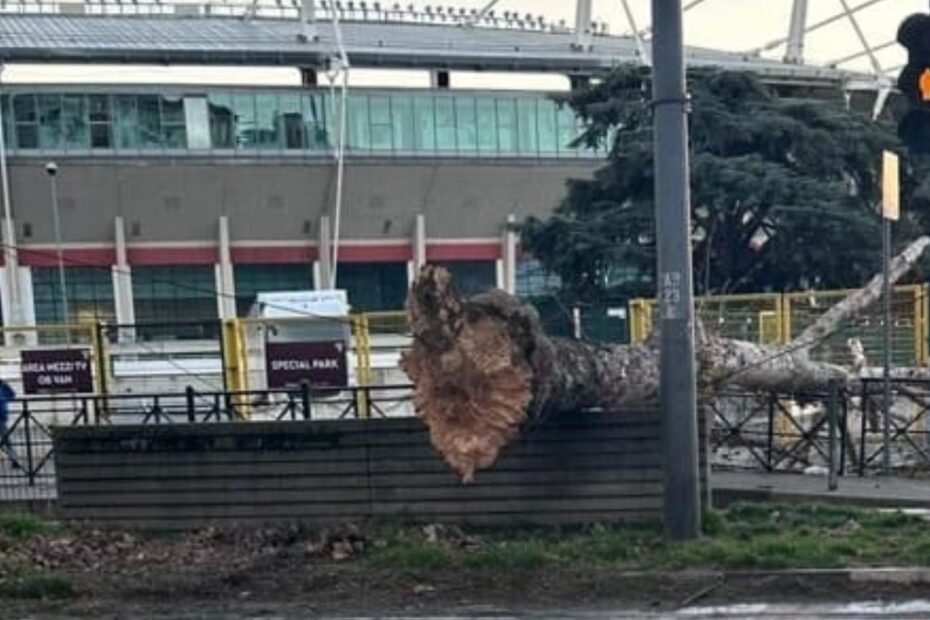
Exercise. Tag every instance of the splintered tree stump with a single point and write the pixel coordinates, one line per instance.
(483, 367)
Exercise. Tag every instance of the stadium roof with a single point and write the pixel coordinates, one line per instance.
(258, 41)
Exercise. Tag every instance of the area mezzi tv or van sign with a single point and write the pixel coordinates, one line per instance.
(47, 371)
(318, 364)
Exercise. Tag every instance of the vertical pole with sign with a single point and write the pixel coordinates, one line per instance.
(677, 389)
(890, 211)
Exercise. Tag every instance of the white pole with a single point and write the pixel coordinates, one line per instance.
(583, 24)
(12, 259)
(797, 28)
(307, 16)
(341, 148)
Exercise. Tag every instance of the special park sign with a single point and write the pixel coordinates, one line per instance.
(54, 371)
(318, 364)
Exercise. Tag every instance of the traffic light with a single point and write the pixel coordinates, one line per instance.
(914, 82)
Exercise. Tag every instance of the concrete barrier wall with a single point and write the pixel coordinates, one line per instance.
(576, 469)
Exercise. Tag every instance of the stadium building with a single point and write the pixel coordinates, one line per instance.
(170, 207)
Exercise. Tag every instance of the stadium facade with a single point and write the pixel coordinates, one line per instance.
(183, 202)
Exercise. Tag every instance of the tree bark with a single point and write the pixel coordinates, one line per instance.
(483, 367)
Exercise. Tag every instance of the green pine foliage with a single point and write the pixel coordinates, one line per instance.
(784, 191)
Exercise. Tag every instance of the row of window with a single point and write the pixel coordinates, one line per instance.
(404, 123)
(187, 294)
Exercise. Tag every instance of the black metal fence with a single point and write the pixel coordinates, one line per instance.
(27, 469)
(836, 431)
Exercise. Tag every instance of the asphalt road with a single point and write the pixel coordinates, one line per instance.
(910, 610)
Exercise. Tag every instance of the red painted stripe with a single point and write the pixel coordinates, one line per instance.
(463, 251)
(172, 255)
(72, 257)
(258, 255)
(387, 253)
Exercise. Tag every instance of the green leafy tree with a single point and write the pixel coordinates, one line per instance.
(784, 192)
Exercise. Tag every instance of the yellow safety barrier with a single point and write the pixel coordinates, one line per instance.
(361, 335)
(235, 364)
(777, 318)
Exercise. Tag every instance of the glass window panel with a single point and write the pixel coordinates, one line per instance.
(266, 121)
(546, 126)
(507, 125)
(24, 113)
(74, 123)
(425, 128)
(7, 121)
(472, 276)
(50, 134)
(318, 132)
(24, 108)
(173, 125)
(244, 110)
(291, 121)
(26, 136)
(253, 279)
(534, 281)
(100, 126)
(359, 129)
(175, 293)
(465, 124)
(197, 121)
(528, 141)
(100, 136)
(126, 122)
(403, 124)
(445, 124)
(373, 287)
(382, 133)
(486, 125)
(99, 108)
(222, 121)
(568, 130)
(90, 295)
(148, 109)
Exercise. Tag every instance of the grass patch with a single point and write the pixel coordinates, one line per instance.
(745, 536)
(40, 586)
(21, 525)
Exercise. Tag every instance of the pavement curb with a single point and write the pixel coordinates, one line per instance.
(904, 575)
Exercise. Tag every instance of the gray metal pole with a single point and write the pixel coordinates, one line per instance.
(675, 288)
(886, 346)
(61, 258)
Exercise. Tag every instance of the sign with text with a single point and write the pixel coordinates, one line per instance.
(320, 364)
(51, 371)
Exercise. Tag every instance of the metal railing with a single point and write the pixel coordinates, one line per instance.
(27, 468)
(378, 12)
(836, 431)
(780, 432)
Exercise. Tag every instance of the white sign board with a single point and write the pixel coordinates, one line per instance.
(297, 304)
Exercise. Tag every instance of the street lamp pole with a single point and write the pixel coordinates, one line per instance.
(51, 169)
(677, 394)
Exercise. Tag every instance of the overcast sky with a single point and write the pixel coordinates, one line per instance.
(724, 24)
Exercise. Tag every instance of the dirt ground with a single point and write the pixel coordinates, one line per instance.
(106, 574)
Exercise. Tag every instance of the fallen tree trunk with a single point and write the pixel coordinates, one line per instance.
(483, 367)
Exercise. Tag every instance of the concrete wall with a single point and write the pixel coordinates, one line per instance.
(282, 199)
(580, 468)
